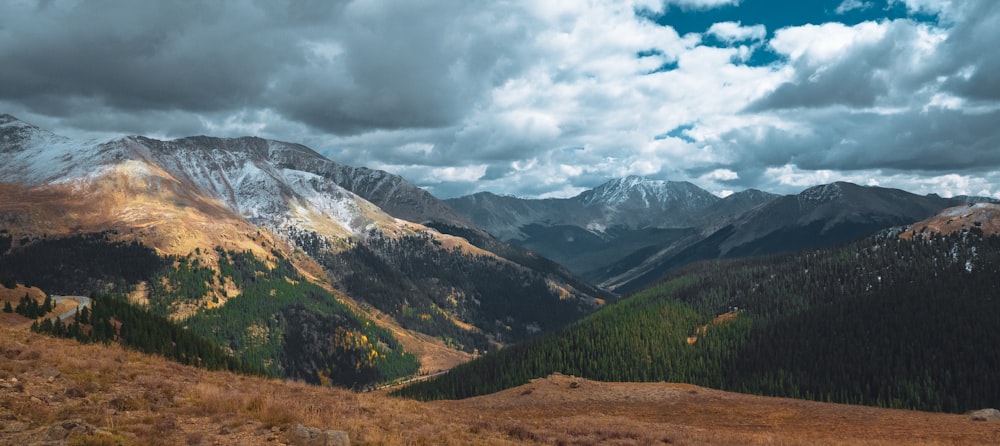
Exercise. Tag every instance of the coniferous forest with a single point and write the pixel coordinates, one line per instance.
(280, 324)
(113, 319)
(881, 321)
(290, 327)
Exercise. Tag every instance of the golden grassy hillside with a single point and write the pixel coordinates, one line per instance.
(55, 390)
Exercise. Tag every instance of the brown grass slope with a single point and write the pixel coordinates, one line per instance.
(982, 216)
(55, 391)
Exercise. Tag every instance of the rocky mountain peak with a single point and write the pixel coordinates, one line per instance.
(643, 192)
(14, 131)
(823, 193)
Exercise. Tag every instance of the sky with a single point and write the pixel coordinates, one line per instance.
(537, 98)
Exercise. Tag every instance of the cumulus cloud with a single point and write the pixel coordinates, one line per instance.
(530, 98)
(340, 67)
(732, 32)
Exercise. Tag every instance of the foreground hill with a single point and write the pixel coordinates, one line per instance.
(55, 391)
(884, 321)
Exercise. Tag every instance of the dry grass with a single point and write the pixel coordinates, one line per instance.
(122, 397)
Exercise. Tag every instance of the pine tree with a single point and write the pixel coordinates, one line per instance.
(83, 315)
(7, 308)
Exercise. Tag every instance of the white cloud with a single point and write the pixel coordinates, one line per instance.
(852, 5)
(826, 42)
(720, 175)
(791, 179)
(702, 4)
(731, 32)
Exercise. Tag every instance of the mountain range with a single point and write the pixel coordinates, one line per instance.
(626, 233)
(228, 214)
(310, 269)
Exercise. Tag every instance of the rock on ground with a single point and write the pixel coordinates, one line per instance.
(311, 436)
(984, 415)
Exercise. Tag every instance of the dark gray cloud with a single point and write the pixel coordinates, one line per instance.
(973, 62)
(338, 67)
(195, 56)
(936, 140)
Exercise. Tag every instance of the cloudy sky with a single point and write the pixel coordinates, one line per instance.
(537, 98)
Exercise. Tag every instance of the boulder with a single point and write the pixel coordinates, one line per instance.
(311, 436)
(984, 415)
(68, 428)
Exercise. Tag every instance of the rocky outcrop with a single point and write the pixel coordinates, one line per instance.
(311, 436)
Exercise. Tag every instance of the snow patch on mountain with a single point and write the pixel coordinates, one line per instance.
(248, 175)
(822, 194)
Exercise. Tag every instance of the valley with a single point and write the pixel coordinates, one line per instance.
(638, 312)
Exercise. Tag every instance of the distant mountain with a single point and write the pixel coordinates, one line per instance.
(820, 216)
(620, 219)
(220, 207)
(732, 206)
(975, 199)
(631, 203)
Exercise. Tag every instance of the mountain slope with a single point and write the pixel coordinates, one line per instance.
(207, 201)
(882, 321)
(983, 217)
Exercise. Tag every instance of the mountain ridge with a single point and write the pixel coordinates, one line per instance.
(819, 216)
(209, 200)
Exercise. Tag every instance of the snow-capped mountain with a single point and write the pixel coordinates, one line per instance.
(604, 225)
(274, 198)
(643, 193)
(269, 183)
(630, 203)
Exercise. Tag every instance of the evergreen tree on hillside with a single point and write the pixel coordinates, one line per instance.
(883, 321)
